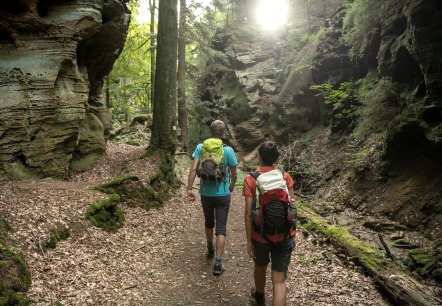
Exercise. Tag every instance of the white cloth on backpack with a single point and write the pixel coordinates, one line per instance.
(271, 180)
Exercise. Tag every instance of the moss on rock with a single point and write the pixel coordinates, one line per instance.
(5, 229)
(133, 192)
(12, 298)
(106, 214)
(14, 272)
(15, 277)
(58, 234)
(110, 187)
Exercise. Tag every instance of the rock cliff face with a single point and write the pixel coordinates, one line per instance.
(54, 55)
(382, 149)
(259, 83)
(245, 82)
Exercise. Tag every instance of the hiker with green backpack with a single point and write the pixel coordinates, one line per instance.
(270, 221)
(215, 163)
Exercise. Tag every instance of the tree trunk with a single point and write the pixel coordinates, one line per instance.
(182, 114)
(108, 105)
(163, 128)
(152, 51)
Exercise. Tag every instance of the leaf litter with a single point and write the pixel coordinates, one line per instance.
(158, 257)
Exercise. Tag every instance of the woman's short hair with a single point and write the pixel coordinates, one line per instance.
(268, 151)
(217, 128)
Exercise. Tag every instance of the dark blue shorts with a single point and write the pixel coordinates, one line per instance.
(216, 209)
(280, 253)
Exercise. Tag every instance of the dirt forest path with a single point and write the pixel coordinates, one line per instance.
(158, 257)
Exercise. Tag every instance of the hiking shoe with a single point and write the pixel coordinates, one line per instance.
(259, 298)
(218, 268)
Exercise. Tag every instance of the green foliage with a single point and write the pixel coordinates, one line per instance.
(379, 106)
(334, 97)
(363, 18)
(57, 234)
(129, 80)
(343, 102)
(106, 214)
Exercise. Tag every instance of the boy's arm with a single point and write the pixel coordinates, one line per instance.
(248, 225)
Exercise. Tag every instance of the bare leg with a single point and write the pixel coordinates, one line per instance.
(220, 241)
(260, 278)
(279, 289)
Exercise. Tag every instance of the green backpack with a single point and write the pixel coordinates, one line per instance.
(212, 160)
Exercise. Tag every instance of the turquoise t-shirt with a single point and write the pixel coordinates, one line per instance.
(209, 188)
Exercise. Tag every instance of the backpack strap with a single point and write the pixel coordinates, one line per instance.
(255, 174)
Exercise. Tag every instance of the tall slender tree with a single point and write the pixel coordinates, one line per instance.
(182, 114)
(152, 9)
(163, 136)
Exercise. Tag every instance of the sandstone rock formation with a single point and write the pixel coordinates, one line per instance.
(257, 80)
(54, 55)
(386, 156)
(259, 84)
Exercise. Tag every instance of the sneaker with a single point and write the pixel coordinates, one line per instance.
(218, 268)
(259, 298)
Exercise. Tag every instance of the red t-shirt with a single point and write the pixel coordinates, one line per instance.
(249, 191)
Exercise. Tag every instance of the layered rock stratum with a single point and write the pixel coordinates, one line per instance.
(54, 56)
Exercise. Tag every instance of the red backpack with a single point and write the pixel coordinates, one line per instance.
(272, 213)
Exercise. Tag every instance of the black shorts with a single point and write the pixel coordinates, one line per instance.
(280, 253)
(216, 209)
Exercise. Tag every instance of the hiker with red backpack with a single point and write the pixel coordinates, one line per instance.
(215, 163)
(269, 218)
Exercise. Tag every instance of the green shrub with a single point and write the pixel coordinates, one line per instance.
(343, 102)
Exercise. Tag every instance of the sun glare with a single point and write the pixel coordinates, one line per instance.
(272, 14)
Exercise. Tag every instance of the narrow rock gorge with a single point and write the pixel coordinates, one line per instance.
(353, 91)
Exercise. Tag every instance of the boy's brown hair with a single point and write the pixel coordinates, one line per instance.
(217, 128)
(268, 151)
